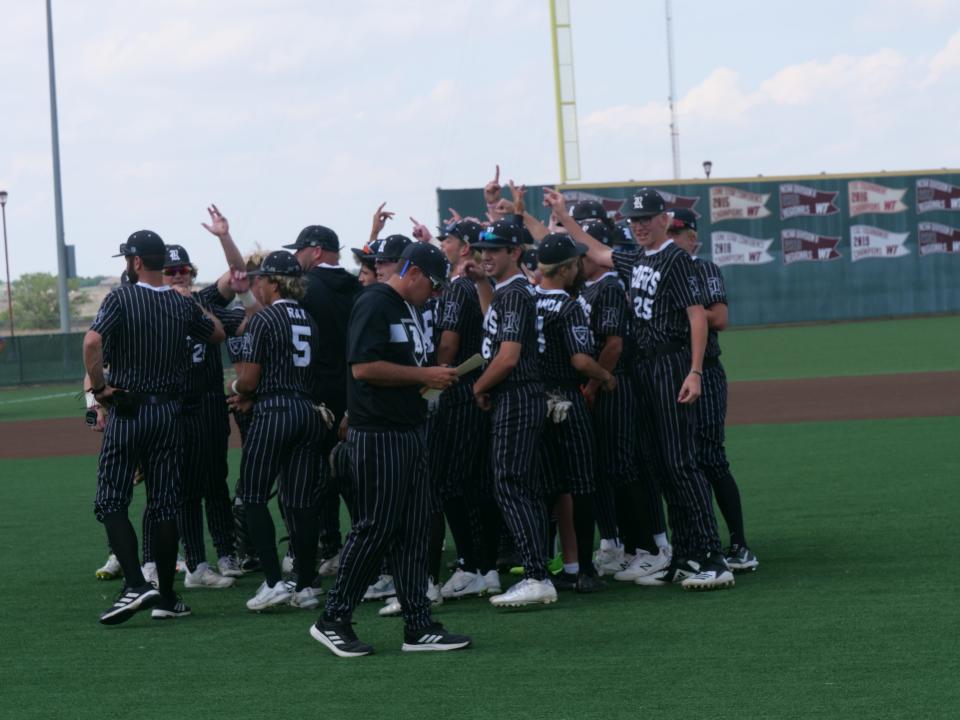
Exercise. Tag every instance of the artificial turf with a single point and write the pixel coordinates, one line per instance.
(851, 614)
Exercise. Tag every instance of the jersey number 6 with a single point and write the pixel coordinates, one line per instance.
(301, 352)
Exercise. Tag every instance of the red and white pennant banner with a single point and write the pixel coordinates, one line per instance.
(798, 200)
(935, 239)
(728, 248)
(937, 195)
(867, 197)
(873, 242)
(730, 203)
(803, 246)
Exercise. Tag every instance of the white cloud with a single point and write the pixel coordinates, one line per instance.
(945, 61)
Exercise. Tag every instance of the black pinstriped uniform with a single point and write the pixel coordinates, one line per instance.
(566, 448)
(144, 332)
(662, 285)
(235, 350)
(389, 461)
(519, 408)
(615, 462)
(712, 415)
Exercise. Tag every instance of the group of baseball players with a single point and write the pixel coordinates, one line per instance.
(526, 385)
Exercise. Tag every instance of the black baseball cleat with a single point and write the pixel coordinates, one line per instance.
(741, 559)
(129, 602)
(713, 575)
(170, 609)
(678, 571)
(588, 584)
(565, 581)
(433, 637)
(339, 637)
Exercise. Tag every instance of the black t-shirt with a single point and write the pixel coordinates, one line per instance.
(384, 327)
(283, 341)
(662, 284)
(562, 332)
(330, 295)
(144, 332)
(205, 366)
(605, 302)
(512, 317)
(716, 292)
(459, 311)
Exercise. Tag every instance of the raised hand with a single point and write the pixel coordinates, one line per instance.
(473, 270)
(555, 201)
(517, 192)
(492, 190)
(218, 223)
(420, 231)
(454, 216)
(380, 218)
(239, 281)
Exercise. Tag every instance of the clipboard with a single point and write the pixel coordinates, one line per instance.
(468, 365)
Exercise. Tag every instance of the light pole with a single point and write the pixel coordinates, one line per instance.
(6, 256)
(707, 167)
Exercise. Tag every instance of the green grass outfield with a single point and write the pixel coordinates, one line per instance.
(853, 612)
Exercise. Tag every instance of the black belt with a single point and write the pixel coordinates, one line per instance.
(566, 385)
(150, 398)
(664, 349)
(711, 362)
(292, 394)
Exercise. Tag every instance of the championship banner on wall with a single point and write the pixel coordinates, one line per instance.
(730, 203)
(873, 242)
(867, 197)
(798, 200)
(935, 239)
(728, 248)
(613, 205)
(680, 201)
(803, 246)
(936, 195)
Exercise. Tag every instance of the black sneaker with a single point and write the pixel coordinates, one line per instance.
(740, 559)
(128, 602)
(713, 575)
(565, 581)
(433, 637)
(170, 609)
(588, 584)
(339, 637)
(678, 571)
(250, 564)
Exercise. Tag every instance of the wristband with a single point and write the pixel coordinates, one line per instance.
(697, 373)
(233, 387)
(91, 401)
(246, 298)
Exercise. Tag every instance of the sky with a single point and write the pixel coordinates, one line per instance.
(295, 112)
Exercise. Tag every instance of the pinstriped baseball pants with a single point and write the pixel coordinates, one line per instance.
(393, 490)
(615, 459)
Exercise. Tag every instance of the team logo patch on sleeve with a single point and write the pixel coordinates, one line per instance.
(609, 317)
(714, 286)
(694, 285)
(511, 323)
(581, 333)
(451, 313)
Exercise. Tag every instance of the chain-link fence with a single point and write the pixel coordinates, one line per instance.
(42, 359)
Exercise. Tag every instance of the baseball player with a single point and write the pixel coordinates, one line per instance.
(671, 333)
(284, 435)
(512, 389)
(565, 355)
(143, 328)
(366, 259)
(712, 406)
(387, 358)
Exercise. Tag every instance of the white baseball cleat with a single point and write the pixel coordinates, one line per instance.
(111, 569)
(642, 565)
(329, 567)
(229, 567)
(609, 561)
(149, 571)
(268, 596)
(205, 577)
(526, 592)
(492, 581)
(463, 584)
(306, 599)
(382, 588)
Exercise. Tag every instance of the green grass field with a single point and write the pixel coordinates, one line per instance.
(853, 612)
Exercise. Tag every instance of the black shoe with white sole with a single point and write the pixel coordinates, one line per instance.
(433, 637)
(129, 602)
(741, 559)
(564, 581)
(170, 609)
(339, 637)
(678, 571)
(713, 575)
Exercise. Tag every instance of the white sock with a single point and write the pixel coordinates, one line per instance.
(609, 543)
(661, 540)
(571, 568)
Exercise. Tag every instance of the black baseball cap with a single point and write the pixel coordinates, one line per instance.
(367, 255)
(429, 260)
(644, 203)
(393, 247)
(279, 262)
(466, 230)
(683, 219)
(176, 256)
(142, 242)
(316, 236)
(600, 230)
(529, 259)
(557, 248)
(587, 209)
(501, 234)
(623, 236)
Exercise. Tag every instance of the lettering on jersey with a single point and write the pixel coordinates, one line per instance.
(414, 335)
(587, 307)
(511, 323)
(427, 316)
(646, 279)
(714, 286)
(296, 313)
(581, 333)
(549, 304)
(694, 284)
(199, 352)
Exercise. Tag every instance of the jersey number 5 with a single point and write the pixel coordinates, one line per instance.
(301, 346)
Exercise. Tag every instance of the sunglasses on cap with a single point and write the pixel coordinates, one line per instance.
(178, 270)
(433, 283)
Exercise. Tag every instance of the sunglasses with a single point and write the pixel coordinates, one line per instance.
(434, 284)
(177, 270)
(486, 236)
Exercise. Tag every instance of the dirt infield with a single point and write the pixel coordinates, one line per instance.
(755, 402)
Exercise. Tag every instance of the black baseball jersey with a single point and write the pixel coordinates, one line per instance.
(605, 302)
(205, 367)
(144, 332)
(512, 317)
(459, 311)
(283, 341)
(662, 284)
(716, 292)
(236, 345)
(428, 321)
(562, 332)
(384, 327)
(331, 292)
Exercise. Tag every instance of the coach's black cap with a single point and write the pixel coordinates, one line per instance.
(176, 255)
(279, 262)
(142, 242)
(367, 255)
(644, 203)
(466, 230)
(393, 247)
(429, 259)
(557, 248)
(316, 236)
(587, 209)
(501, 234)
(600, 230)
(683, 219)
